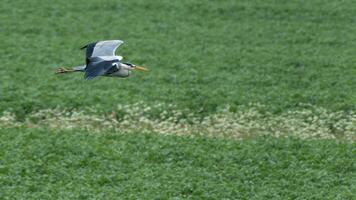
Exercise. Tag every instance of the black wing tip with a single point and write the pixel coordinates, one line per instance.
(87, 45)
(83, 47)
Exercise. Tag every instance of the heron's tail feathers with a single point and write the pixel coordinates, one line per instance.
(63, 70)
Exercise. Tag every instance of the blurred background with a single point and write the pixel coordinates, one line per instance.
(203, 55)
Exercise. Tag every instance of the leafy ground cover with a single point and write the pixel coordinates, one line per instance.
(43, 164)
(203, 55)
(250, 69)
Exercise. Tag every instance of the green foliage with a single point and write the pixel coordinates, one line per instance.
(36, 164)
(202, 54)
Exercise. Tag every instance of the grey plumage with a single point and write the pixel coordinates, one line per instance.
(96, 66)
(100, 57)
(101, 60)
(103, 48)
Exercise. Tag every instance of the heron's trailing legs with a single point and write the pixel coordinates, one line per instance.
(63, 70)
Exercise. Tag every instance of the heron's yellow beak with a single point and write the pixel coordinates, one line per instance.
(140, 68)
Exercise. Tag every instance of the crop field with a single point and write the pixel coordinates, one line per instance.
(247, 99)
(80, 165)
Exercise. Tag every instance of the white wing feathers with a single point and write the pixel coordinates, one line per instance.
(105, 49)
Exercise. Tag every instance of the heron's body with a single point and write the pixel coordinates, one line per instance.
(102, 61)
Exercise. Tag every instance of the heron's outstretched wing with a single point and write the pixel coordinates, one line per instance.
(102, 48)
(96, 68)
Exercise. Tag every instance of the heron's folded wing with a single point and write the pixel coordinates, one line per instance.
(97, 68)
(102, 48)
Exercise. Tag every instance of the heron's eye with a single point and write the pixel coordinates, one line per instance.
(129, 64)
(115, 65)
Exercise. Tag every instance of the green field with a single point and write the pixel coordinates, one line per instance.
(79, 165)
(202, 54)
(265, 88)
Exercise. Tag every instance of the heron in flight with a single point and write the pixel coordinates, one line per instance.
(102, 61)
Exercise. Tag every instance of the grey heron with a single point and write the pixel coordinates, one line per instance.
(102, 61)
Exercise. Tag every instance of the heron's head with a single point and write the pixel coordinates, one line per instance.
(130, 66)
